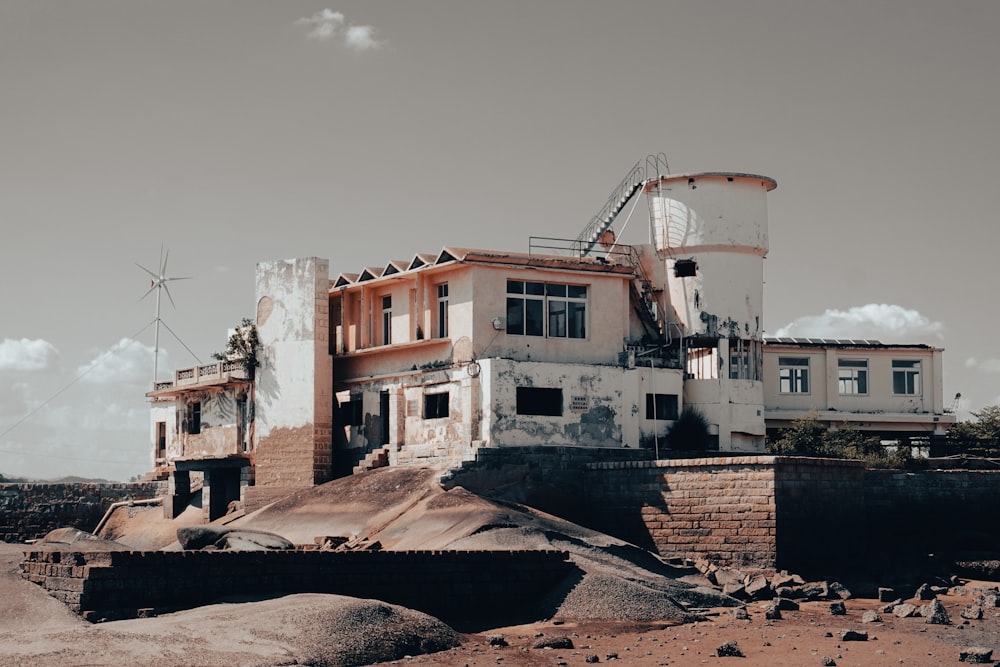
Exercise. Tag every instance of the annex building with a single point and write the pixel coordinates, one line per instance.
(580, 343)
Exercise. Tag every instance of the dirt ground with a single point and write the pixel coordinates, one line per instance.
(799, 638)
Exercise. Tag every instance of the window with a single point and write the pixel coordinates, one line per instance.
(793, 375)
(852, 377)
(436, 405)
(661, 406)
(906, 377)
(161, 440)
(352, 412)
(386, 320)
(745, 359)
(539, 401)
(194, 417)
(703, 362)
(442, 310)
(685, 268)
(553, 310)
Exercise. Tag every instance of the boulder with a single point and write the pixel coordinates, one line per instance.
(772, 613)
(230, 539)
(976, 655)
(905, 610)
(729, 650)
(871, 616)
(935, 613)
(556, 641)
(839, 590)
(853, 636)
(757, 588)
(785, 604)
(741, 614)
(972, 612)
(837, 608)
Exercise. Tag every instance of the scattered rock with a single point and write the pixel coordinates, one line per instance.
(839, 590)
(988, 600)
(741, 614)
(556, 641)
(827, 661)
(734, 589)
(871, 616)
(729, 650)
(611, 656)
(976, 655)
(772, 613)
(972, 612)
(853, 636)
(757, 588)
(497, 640)
(838, 608)
(232, 539)
(785, 604)
(935, 613)
(591, 658)
(905, 610)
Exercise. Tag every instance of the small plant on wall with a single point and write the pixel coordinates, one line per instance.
(242, 346)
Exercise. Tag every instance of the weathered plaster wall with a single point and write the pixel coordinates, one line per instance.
(220, 433)
(294, 418)
(29, 511)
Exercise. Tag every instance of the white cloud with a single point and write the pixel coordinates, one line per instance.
(984, 365)
(886, 322)
(329, 25)
(361, 38)
(127, 362)
(27, 355)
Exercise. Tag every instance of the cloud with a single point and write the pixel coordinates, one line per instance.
(27, 355)
(127, 362)
(886, 322)
(328, 25)
(984, 365)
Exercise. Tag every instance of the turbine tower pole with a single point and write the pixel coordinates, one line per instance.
(159, 283)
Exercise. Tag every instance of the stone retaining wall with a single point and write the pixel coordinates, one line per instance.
(463, 587)
(29, 511)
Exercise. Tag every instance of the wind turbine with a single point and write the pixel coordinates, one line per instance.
(159, 283)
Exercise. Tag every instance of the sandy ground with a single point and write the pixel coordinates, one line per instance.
(626, 608)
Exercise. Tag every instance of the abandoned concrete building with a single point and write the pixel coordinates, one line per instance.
(581, 343)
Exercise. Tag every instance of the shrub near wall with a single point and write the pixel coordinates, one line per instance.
(29, 511)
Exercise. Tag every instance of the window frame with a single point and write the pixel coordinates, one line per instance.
(539, 402)
(660, 407)
(442, 311)
(192, 420)
(852, 373)
(436, 408)
(386, 301)
(797, 379)
(911, 375)
(547, 309)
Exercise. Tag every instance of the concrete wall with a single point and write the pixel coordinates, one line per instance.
(29, 511)
(465, 588)
(294, 418)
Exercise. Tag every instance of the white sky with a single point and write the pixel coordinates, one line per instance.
(234, 132)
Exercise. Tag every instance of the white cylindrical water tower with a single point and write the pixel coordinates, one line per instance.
(710, 230)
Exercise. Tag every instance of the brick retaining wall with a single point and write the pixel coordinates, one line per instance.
(463, 587)
(29, 511)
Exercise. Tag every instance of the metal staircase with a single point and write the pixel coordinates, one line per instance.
(643, 171)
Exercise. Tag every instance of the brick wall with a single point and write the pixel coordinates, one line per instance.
(461, 587)
(29, 511)
(722, 509)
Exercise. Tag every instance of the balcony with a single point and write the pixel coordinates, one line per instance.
(215, 373)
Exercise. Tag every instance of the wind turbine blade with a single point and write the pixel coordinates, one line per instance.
(167, 290)
(147, 292)
(155, 277)
(180, 278)
(163, 265)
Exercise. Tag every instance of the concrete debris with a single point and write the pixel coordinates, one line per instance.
(976, 655)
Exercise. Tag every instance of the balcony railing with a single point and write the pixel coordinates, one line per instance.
(214, 373)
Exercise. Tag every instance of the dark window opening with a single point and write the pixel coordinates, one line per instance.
(685, 268)
(194, 417)
(436, 405)
(661, 406)
(351, 412)
(539, 401)
(161, 440)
